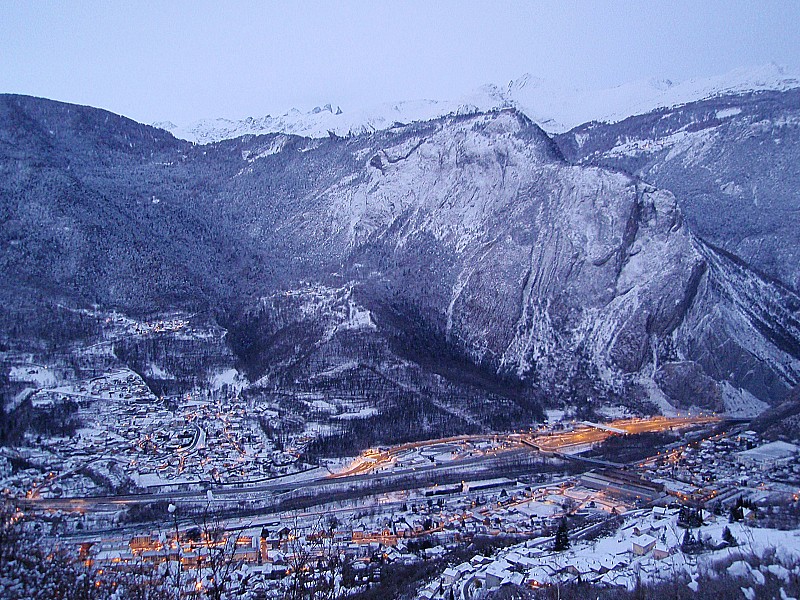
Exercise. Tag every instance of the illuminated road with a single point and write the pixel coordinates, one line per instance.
(584, 435)
(587, 435)
(372, 459)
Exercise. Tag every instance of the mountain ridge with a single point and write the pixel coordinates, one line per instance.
(531, 277)
(732, 162)
(555, 108)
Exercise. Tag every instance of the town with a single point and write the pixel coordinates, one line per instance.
(236, 493)
(182, 482)
(625, 525)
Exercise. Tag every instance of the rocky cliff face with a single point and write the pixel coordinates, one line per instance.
(450, 261)
(529, 265)
(733, 162)
(515, 256)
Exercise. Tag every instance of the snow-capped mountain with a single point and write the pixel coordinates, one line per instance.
(554, 108)
(542, 271)
(558, 110)
(328, 119)
(436, 264)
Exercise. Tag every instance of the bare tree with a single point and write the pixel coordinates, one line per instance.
(219, 557)
(174, 569)
(141, 581)
(315, 564)
(34, 566)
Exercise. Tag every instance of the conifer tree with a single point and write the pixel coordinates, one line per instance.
(561, 541)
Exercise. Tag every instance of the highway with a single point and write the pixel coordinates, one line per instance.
(276, 487)
(587, 434)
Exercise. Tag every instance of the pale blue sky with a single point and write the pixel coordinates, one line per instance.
(183, 60)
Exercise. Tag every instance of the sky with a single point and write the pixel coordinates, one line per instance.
(185, 60)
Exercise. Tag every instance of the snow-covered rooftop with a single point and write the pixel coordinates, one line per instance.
(772, 451)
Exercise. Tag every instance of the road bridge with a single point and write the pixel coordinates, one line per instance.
(605, 427)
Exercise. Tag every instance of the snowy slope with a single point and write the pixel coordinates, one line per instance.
(559, 109)
(555, 108)
(463, 256)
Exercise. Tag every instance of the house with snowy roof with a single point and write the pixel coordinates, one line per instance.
(585, 566)
(769, 455)
(642, 544)
(497, 572)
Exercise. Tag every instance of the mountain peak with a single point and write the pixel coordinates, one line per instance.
(554, 107)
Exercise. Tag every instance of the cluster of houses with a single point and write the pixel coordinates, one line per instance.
(267, 549)
(716, 470)
(199, 441)
(160, 326)
(647, 547)
(436, 520)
